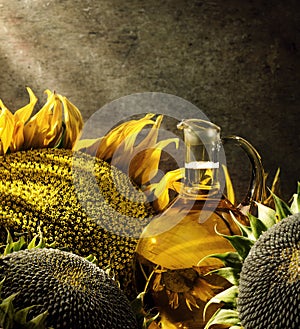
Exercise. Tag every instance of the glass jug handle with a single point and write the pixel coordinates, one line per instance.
(257, 183)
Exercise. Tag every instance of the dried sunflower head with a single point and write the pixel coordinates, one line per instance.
(46, 288)
(269, 288)
(267, 271)
(75, 293)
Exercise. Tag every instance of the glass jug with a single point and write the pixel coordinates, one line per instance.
(170, 254)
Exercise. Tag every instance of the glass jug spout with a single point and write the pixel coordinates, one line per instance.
(203, 159)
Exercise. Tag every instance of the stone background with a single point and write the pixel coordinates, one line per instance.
(238, 61)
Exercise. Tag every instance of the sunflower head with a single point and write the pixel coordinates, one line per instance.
(10, 316)
(270, 278)
(266, 260)
(43, 287)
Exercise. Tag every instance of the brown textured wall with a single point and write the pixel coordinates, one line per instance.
(236, 60)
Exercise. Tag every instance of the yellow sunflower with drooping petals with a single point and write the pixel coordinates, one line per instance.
(59, 123)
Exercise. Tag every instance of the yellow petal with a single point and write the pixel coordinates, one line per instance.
(168, 181)
(154, 325)
(18, 137)
(89, 146)
(24, 113)
(21, 116)
(161, 189)
(37, 128)
(190, 301)
(204, 290)
(151, 139)
(173, 299)
(144, 166)
(124, 146)
(165, 323)
(129, 151)
(122, 138)
(55, 131)
(229, 187)
(7, 125)
(135, 127)
(73, 122)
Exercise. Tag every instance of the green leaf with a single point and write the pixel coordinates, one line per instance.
(7, 312)
(241, 244)
(245, 230)
(12, 246)
(257, 226)
(42, 242)
(32, 244)
(282, 209)
(19, 244)
(143, 319)
(230, 274)
(227, 297)
(21, 315)
(229, 259)
(223, 316)
(39, 322)
(9, 244)
(295, 206)
(266, 214)
(137, 303)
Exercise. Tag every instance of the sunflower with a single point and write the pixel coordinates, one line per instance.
(59, 123)
(240, 267)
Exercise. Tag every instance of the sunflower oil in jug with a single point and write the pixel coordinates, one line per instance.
(171, 255)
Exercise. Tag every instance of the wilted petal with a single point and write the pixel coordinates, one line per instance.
(275, 189)
(173, 299)
(204, 290)
(7, 124)
(73, 122)
(157, 286)
(37, 128)
(21, 116)
(121, 140)
(88, 146)
(54, 134)
(190, 301)
(161, 189)
(151, 139)
(127, 151)
(24, 113)
(109, 144)
(144, 166)
(132, 130)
